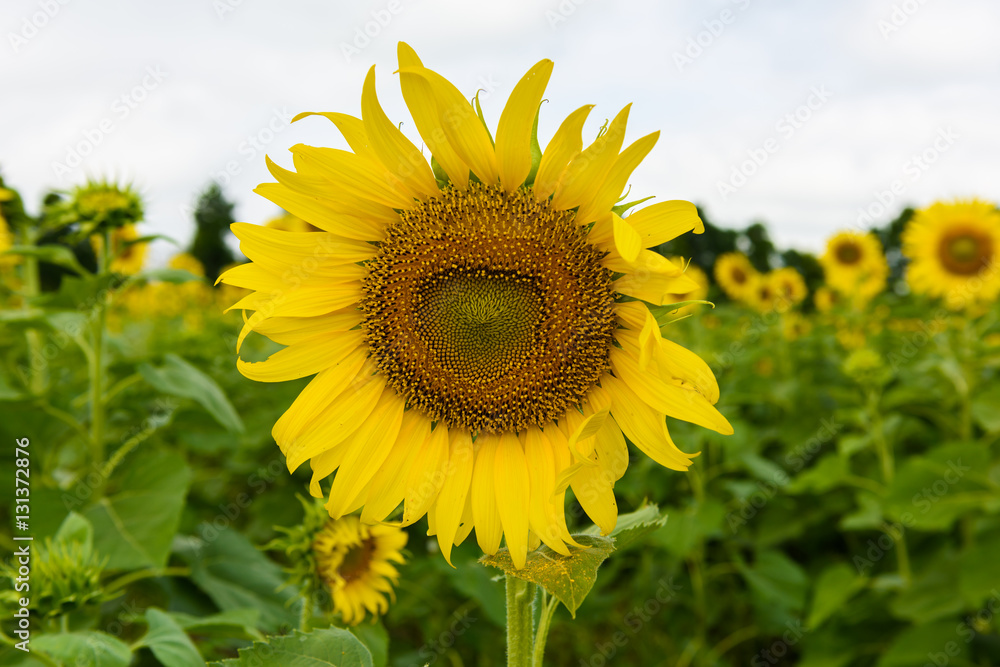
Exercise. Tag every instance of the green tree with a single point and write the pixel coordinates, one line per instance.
(213, 216)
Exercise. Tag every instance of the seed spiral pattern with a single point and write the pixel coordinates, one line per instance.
(489, 310)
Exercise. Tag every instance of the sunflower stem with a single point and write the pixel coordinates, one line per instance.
(519, 644)
(542, 634)
(97, 364)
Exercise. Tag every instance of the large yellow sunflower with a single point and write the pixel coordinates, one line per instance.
(479, 329)
(356, 564)
(735, 275)
(953, 250)
(854, 265)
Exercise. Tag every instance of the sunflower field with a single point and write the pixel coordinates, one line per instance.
(467, 404)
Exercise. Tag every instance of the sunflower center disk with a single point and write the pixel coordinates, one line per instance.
(848, 253)
(489, 310)
(966, 253)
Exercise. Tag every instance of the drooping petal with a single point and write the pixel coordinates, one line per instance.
(593, 491)
(489, 530)
(388, 486)
(450, 502)
(426, 475)
(541, 477)
(513, 493)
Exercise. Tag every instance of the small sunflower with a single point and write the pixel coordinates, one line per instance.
(854, 265)
(826, 299)
(127, 257)
(466, 320)
(794, 325)
(735, 275)
(97, 206)
(187, 262)
(697, 275)
(953, 250)
(766, 295)
(790, 285)
(355, 562)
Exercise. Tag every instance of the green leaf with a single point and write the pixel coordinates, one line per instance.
(778, 588)
(179, 378)
(478, 583)
(570, 578)
(330, 647)
(376, 639)
(168, 641)
(984, 409)
(135, 524)
(829, 472)
(978, 574)
(931, 596)
(634, 526)
(84, 649)
(76, 528)
(926, 644)
(53, 254)
(835, 586)
(168, 275)
(241, 622)
(235, 575)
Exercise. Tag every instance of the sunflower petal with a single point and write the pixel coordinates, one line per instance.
(394, 150)
(489, 530)
(426, 475)
(644, 426)
(604, 197)
(541, 477)
(587, 171)
(566, 144)
(320, 213)
(354, 174)
(593, 491)
(513, 494)
(307, 358)
(513, 145)
(665, 221)
(388, 486)
(450, 502)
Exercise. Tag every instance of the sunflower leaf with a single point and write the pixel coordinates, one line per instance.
(634, 526)
(168, 641)
(179, 378)
(568, 578)
(330, 647)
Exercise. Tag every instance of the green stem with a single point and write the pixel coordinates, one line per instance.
(519, 596)
(32, 288)
(700, 608)
(542, 635)
(97, 364)
(305, 617)
(881, 443)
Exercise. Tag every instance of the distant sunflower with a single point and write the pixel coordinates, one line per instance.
(854, 265)
(735, 275)
(765, 295)
(475, 355)
(826, 299)
(357, 565)
(187, 262)
(953, 250)
(790, 285)
(127, 257)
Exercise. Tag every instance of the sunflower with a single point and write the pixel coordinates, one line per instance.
(355, 562)
(290, 223)
(187, 262)
(953, 251)
(790, 285)
(467, 320)
(735, 275)
(127, 257)
(854, 265)
(697, 275)
(826, 299)
(765, 295)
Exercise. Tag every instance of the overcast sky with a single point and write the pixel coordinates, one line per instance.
(798, 114)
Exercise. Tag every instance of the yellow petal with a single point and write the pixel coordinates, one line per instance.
(351, 127)
(419, 100)
(644, 426)
(250, 276)
(605, 196)
(338, 421)
(318, 394)
(513, 493)
(489, 530)
(303, 301)
(566, 144)
(611, 450)
(674, 361)
(305, 253)
(665, 396)
(292, 330)
(461, 125)
(587, 171)
(594, 493)
(356, 175)
(541, 478)
(426, 475)
(665, 221)
(306, 358)
(513, 149)
(394, 150)
(368, 448)
(653, 278)
(627, 240)
(323, 466)
(451, 501)
(388, 486)
(321, 214)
